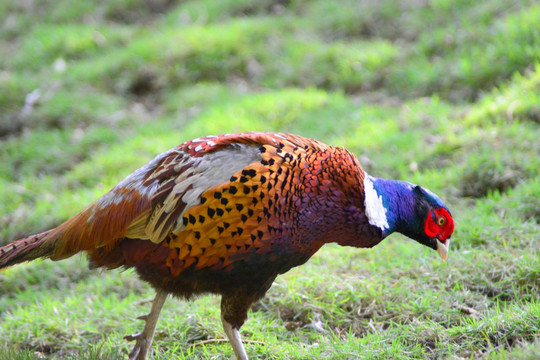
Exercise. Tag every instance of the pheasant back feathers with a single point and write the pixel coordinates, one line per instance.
(259, 208)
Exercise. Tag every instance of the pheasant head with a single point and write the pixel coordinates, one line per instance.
(399, 206)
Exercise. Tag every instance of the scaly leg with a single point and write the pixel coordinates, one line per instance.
(235, 340)
(144, 339)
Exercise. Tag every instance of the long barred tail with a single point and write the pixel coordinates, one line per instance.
(26, 249)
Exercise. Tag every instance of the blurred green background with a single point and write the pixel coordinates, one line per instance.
(441, 93)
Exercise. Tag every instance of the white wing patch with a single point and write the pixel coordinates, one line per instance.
(375, 210)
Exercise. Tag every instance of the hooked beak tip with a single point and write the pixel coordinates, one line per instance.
(442, 249)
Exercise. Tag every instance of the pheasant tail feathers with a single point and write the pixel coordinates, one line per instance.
(25, 249)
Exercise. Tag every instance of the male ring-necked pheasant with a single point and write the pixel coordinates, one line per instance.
(227, 214)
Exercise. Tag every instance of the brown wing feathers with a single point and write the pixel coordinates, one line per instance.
(238, 218)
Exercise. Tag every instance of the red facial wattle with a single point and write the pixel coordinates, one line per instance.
(439, 223)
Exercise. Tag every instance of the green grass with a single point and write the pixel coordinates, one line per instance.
(440, 93)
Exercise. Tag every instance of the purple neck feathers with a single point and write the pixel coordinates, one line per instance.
(398, 200)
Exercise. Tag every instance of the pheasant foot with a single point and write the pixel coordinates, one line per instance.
(143, 340)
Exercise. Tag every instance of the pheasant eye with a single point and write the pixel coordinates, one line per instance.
(441, 221)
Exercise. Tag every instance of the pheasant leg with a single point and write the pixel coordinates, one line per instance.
(143, 340)
(234, 338)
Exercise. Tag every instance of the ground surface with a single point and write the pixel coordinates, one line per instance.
(441, 93)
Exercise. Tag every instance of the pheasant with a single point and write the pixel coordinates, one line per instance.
(227, 214)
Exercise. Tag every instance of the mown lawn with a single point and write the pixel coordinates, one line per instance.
(441, 93)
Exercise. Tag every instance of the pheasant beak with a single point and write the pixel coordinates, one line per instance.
(442, 248)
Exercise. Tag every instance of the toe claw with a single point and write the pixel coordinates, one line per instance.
(134, 354)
